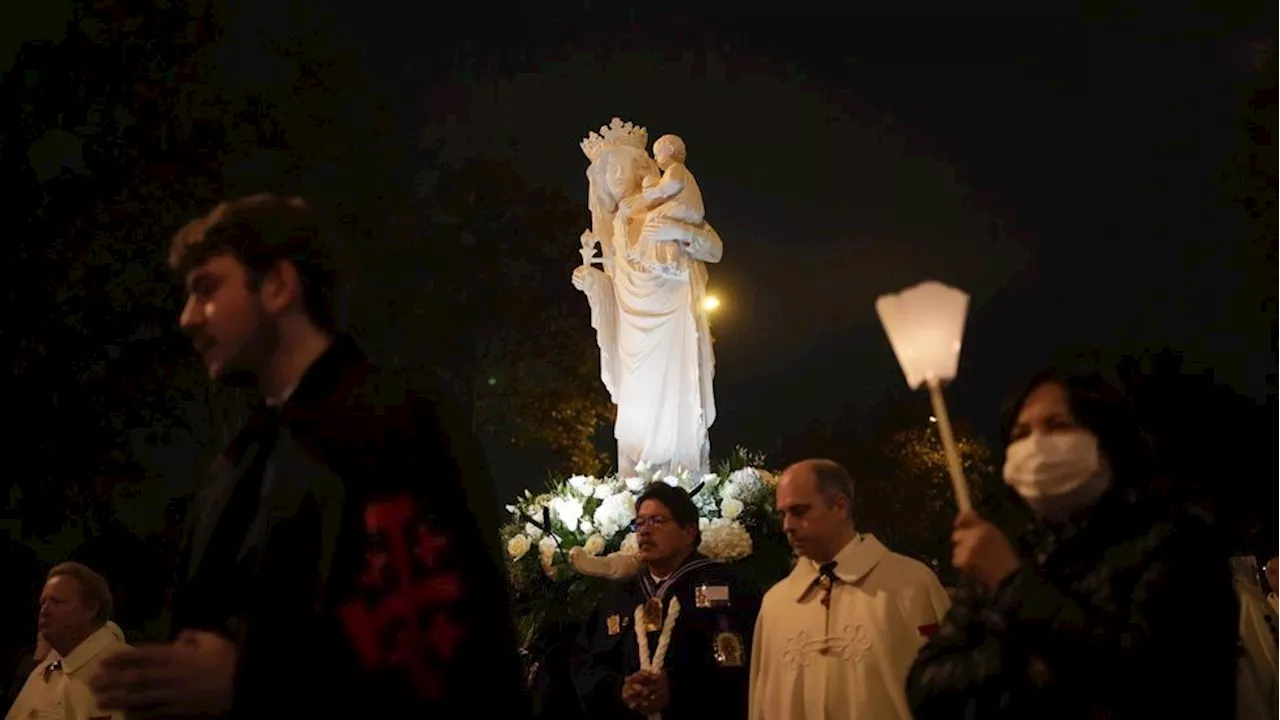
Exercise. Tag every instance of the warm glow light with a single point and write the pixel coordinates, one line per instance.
(710, 303)
(925, 325)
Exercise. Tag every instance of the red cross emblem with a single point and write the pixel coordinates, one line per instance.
(410, 626)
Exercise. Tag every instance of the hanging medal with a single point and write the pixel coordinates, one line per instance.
(654, 608)
(653, 614)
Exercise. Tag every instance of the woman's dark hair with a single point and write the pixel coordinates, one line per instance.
(1100, 407)
(677, 500)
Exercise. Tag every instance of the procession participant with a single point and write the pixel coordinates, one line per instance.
(1257, 680)
(1117, 605)
(76, 635)
(836, 638)
(1272, 582)
(341, 560)
(26, 662)
(700, 603)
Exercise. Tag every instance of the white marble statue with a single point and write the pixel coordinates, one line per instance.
(646, 303)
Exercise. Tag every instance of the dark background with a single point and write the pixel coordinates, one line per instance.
(1101, 181)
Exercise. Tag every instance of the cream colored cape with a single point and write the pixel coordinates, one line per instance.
(65, 693)
(849, 662)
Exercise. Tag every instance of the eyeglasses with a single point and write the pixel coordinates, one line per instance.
(655, 523)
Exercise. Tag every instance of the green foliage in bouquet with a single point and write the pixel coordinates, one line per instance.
(739, 526)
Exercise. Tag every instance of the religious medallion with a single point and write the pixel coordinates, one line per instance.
(653, 614)
(728, 650)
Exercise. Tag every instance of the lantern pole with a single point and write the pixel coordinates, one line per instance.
(925, 327)
(958, 483)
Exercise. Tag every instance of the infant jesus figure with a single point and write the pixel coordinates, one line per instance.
(674, 196)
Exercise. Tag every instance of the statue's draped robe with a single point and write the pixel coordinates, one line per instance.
(655, 349)
(851, 660)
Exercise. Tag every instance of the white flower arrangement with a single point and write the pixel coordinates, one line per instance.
(596, 513)
(735, 508)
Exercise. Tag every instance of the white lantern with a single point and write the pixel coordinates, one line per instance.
(925, 325)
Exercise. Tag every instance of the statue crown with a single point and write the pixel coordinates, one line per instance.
(616, 133)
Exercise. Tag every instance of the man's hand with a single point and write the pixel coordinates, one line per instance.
(192, 677)
(980, 550)
(646, 692)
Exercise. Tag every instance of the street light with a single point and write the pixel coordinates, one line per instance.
(925, 325)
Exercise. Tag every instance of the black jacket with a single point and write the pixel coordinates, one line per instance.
(704, 681)
(346, 544)
(1122, 614)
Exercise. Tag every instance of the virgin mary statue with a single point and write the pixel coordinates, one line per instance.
(655, 341)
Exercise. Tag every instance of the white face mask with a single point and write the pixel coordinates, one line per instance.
(1057, 473)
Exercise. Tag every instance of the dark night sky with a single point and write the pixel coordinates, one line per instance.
(1065, 170)
(1072, 171)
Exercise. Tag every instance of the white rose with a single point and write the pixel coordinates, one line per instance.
(730, 508)
(547, 552)
(671, 480)
(642, 466)
(518, 546)
(614, 513)
(584, 484)
(585, 525)
(594, 545)
(568, 511)
(634, 484)
(532, 531)
(547, 546)
(602, 491)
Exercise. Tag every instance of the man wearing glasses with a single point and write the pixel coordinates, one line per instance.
(707, 654)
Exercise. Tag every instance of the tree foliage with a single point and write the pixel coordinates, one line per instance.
(535, 384)
(902, 489)
(94, 145)
(911, 503)
(142, 116)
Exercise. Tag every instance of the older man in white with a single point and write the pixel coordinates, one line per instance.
(836, 638)
(75, 620)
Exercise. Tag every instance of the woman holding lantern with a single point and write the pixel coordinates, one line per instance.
(1112, 605)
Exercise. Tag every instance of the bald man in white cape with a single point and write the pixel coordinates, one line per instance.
(836, 638)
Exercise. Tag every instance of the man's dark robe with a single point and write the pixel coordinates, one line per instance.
(346, 545)
(708, 661)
